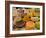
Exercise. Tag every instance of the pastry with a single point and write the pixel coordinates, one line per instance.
(30, 25)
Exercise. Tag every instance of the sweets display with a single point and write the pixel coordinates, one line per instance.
(26, 18)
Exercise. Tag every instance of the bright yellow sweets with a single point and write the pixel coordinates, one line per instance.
(31, 12)
(30, 25)
(26, 18)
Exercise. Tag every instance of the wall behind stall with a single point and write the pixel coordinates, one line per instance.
(2, 19)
